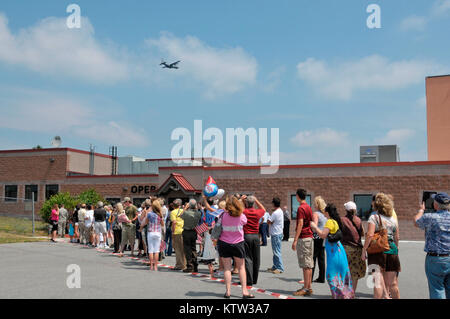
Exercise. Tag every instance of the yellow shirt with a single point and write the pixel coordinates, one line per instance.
(394, 215)
(175, 218)
(332, 225)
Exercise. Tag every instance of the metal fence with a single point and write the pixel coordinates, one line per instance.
(19, 207)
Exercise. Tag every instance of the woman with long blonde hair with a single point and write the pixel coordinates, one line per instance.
(319, 244)
(154, 221)
(387, 264)
(231, 243)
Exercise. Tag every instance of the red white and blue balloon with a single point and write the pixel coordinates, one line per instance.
(210, 190)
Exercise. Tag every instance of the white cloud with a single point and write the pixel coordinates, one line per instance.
(51, 48)
(218, 70)
(324, 137)
(413, 22)
(341, 80)
(422, 102)
(42, 112)
(113, 133)
(273, 79)
(396, 136)
(440, 7)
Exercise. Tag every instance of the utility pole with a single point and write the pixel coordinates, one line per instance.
(32, 209)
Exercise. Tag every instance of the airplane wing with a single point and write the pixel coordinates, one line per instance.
(175, 63)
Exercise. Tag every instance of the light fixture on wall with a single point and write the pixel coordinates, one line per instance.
(52, 159)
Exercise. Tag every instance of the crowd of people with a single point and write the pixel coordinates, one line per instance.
(233, 230)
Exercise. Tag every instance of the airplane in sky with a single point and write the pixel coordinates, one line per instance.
(169, 66)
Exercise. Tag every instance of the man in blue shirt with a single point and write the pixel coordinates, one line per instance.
(437, 245)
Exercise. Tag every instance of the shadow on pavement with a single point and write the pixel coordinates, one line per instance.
(207, 294)
(288, 279)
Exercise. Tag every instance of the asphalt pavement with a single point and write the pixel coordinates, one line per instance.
(47, 270)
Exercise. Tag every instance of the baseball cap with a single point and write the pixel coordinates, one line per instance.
(441, 198)
(127, 199)
(350, 206)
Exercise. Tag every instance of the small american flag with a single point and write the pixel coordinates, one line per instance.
(200, 229)
(216, 213)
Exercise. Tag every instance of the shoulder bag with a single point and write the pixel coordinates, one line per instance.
(217, 230)
(334, 238)
(379, 242)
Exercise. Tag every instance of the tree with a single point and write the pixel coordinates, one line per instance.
(38, 147)
(90, 197)
(60, 198)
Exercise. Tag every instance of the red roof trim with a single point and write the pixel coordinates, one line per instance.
(182, 181)
(385, 164)
(183, 167)
(66, 149)
(110, 176)
(195, 159)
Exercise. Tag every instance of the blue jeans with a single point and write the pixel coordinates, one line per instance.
(276, 249)
(263, 230)
(168, 241)
(437, 270)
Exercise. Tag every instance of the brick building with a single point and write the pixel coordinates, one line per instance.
(438, 117)
(48, 171)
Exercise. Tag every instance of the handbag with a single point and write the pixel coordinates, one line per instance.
(337, 236)
(116, 225)
(217, 230)
(379, 242)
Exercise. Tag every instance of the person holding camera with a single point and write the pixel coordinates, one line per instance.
(54, 221)
(338, 273)
(251, 237)
(177, 234)
(191, 217)
(437, 245)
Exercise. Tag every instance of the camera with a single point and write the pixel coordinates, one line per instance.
(426, 198)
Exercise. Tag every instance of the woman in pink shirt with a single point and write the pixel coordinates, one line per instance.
(231, 244)
(54, 221)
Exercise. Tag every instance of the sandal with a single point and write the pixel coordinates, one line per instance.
(248, 296)
(226, 296)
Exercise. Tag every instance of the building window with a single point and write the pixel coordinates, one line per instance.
(295, 205)
(10, 193)
(29, 190)
(51, 190)
(364, 205)
(113, 201)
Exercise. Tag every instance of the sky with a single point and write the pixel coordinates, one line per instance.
(313, 69)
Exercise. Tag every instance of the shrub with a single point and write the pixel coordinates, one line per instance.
(60, 198)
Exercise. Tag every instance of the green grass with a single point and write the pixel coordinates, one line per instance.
(20, 230)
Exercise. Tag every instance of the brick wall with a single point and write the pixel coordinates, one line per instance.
(407, 191)
(32, 168)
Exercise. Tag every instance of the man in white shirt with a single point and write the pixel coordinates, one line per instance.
(88, 224)
(276, 221)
